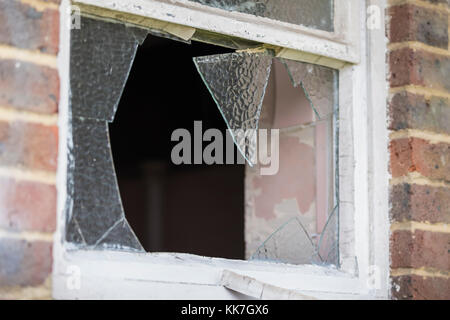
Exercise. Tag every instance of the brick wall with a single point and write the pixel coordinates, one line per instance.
(29, 95)
(419, 113)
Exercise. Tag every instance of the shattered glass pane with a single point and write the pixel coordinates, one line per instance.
(301, 196)
(237, 82)
(101, 57)
(316, 14)
(318, 82)
(304, 189)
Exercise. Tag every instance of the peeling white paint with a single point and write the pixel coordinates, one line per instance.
(259, 289)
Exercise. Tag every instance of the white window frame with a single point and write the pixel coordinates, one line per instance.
(363, 173)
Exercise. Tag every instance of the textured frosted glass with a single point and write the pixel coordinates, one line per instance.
(237, 82)
(101, 56)
(316, 14)
(96, 208)
(318, 82)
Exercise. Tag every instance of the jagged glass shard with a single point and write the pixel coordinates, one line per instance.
(120, 237)
(290, 243)
(100, 60)
(318, 82)
(96, 209)
(317, 14)
(237, 83)
(328, 246)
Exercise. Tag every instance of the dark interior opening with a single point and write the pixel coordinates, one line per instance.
(196, 209)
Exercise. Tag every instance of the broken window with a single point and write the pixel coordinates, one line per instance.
(288, 216)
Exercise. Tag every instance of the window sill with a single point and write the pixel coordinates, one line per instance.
(124, 275)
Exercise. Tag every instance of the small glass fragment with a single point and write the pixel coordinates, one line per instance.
(291, 243)
(328, 246)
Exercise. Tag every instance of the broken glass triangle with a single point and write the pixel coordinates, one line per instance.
(290, 243)
(237, 82)
(318, 83)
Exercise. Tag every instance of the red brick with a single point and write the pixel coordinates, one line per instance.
(414, 154)
(412, 23)
(28, 145)
(401, 157)
(413, 287)
(24, 263)
(417, 67)
(412, 202)
(26, 205)
(420, 249)
(412, 111)
(25, 27)
(28, 86)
